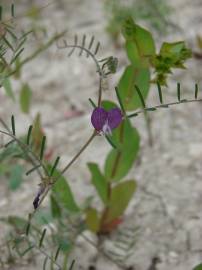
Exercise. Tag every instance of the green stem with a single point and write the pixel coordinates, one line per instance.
(37, 52)
(166, 105)
(79, 153)
(114, 170)
(66, 256)
(99, 69)
(66, 168)
(26, 149)
(118, 156)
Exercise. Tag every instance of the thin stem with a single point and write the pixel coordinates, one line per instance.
(166, 105)
(27, 149)
(79, 153)
(118, 156)
(66, 256)
(100, 92)
(4, 124)
(41, 251)
(99, 69)
(65, 169)
(48, 256)
(35, 53)
(113, 173)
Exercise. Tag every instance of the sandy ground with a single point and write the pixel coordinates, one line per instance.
(167, 206)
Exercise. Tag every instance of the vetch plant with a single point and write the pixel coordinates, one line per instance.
(13, 45)
(113, 121)
(146, 66)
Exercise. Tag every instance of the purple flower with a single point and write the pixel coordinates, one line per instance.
(104, 121)
(36, 201)
(37, 198)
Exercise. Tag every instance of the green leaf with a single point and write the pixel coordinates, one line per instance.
(8, 88)
(16, 176)
(92, 220)
(133, 76)
(120, 197)
(25, 98)
(127, 140)
(99, 181)
(198, 267)
(171, 55)
(176, 51)
(42, 238)
(55, 208)
(37, 134)
(140, 45)
(63, 194)
(108, 105)
(119, 161)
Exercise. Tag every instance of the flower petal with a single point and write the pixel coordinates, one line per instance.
(98, 118)
(36, 201)
(114, 118)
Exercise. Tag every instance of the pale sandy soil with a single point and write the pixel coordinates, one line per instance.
(167, 205)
